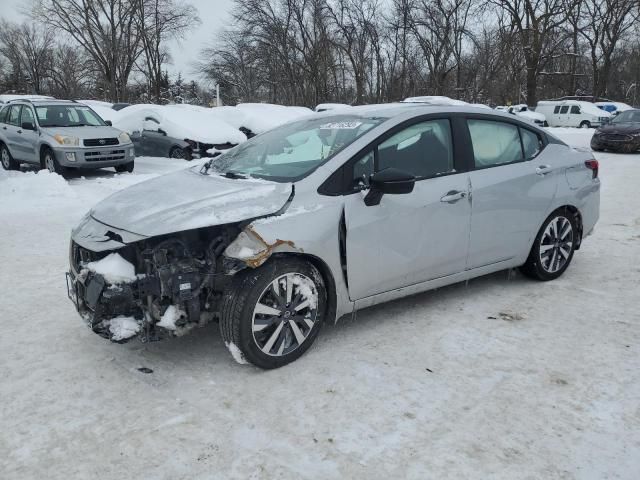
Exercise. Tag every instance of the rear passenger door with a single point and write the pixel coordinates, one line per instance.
(512, 186)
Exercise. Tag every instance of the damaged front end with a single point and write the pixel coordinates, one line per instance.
(173, 283)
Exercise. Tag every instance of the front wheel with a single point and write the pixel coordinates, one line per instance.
(271, 315)
(51, 162)
(585, 124)
(553, 248)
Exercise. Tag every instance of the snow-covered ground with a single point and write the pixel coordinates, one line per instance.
(500, 378)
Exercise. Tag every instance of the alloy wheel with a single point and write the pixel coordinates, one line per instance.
(556, 244)
(285, 314)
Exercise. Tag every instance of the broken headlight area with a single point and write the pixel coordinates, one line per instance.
(150, 290)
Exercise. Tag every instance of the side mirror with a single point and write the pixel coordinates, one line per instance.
(28, 126)
(390, 181)
(109, 122)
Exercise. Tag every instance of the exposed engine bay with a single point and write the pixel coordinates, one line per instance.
(177, 285)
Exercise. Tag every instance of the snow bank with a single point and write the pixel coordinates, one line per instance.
(260, 117)
(96, 103)
(106, 113)
(122, 328)
(114, 269)
(29, 186)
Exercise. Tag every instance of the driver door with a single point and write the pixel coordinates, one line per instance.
(415, 237)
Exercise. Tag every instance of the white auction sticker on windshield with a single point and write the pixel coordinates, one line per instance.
(341, 125)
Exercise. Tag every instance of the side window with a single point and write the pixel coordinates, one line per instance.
(14, 115)
(556, 109)
(423, 149)
(531, 143)
(564, 109)
(575, 109)
(27, 116)
(494, 143)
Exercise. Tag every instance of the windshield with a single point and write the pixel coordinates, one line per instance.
(67, 116)
(630, 116)
(293, 151)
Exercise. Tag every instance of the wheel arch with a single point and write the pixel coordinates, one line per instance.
(43, 148)
(577, 216)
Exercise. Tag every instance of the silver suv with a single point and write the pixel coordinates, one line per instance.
(59, 134)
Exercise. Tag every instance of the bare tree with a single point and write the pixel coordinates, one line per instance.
(105, 29)
(28, 49)
(604, 24)
(157, 22)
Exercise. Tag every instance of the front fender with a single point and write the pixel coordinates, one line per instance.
(302, 229)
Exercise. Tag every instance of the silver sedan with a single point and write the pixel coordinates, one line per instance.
(327, 215)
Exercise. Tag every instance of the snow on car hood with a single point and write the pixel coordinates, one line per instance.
(187, 200)
(531, 115)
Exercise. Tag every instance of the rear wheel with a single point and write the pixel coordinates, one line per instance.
(127, 167)
(585, 124)
(8, 163)
(177, 152)
(272, 315)
(50, 162)
(553, 248)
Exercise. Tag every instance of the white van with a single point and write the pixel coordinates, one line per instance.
(572, 113)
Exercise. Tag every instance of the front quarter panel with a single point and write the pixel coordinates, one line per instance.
(306, 228)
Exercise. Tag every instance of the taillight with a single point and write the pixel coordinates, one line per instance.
(593, 166)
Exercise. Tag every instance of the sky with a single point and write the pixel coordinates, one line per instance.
(213, 13)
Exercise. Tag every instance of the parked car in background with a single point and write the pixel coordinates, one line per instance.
(153, 141)
(61, 134)
(622, 134)
(323, 107)
(572, 113)
(119, 106)
(614, 108)
(501, 108)
(328, 214)
(523, 111)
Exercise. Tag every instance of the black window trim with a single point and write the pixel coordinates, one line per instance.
(346, 188)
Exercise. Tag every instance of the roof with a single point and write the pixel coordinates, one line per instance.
(43, 101)
(390, 110)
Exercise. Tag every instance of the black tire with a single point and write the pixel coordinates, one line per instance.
(177, 152)
(585, 124)
(127, 167)
(50, 162)
(241, 299)
(8, 163)
(545, 247)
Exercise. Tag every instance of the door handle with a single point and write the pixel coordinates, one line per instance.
(542, 170)
(453, 196)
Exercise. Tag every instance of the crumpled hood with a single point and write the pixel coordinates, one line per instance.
(186, 200)
(625, 128)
